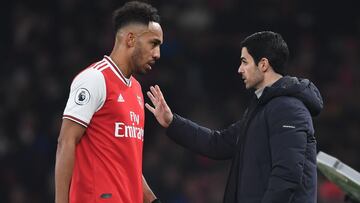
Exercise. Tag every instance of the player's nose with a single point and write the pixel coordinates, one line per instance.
(156, 53)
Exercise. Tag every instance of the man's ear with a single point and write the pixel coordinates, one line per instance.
(264, 64)
(130, 39)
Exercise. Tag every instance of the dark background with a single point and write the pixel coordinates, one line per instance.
(44, 44)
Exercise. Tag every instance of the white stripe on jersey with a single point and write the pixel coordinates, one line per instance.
(103, 68)
(101, 65)
(97, 64)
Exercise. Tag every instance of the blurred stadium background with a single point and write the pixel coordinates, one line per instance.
(45, 43)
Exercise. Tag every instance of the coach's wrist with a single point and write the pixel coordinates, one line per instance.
(170, 120)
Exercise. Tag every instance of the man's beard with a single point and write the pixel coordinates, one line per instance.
(136, 56)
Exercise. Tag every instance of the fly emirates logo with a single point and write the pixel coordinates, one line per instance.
(130, 131)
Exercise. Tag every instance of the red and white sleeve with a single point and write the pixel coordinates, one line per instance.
(87, 96)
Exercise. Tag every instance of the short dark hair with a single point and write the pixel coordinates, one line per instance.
(270, 45)
(134, 12)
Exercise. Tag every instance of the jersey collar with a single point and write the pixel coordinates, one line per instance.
(117, 71)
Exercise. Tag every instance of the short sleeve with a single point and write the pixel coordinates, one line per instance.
(87, 96)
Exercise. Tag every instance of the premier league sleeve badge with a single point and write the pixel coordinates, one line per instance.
(82, 96)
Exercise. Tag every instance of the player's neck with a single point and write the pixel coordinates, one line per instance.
(121, 63)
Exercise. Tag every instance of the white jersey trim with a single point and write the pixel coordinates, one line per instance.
(101, 65)
(76, 120)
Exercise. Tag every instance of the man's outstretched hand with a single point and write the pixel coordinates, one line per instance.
(161, 110)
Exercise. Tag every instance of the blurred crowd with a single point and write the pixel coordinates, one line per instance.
(44, 44)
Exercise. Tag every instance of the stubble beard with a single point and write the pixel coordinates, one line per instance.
(135, 58)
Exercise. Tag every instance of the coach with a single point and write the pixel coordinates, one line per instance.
(272, 147)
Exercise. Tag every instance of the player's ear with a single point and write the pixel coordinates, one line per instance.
(130, 39)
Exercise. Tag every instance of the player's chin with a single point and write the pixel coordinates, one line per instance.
(147, 68)
(144, 70)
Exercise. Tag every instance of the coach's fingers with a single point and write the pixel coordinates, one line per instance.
(154, 92)
(163, 103)
(161, 98)
(152, 98)
(150, 108)
(158, 91)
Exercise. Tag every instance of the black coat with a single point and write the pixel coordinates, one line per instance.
(272, 147)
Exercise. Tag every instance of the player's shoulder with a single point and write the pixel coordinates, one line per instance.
(88, 75)
(91, 73)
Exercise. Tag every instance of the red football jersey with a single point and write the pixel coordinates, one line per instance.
(108, 164)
